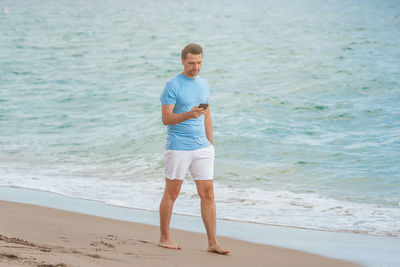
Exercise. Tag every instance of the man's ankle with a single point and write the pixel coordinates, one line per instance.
(212, 243)
(163, 239)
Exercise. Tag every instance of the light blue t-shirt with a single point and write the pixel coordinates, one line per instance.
(185, 93)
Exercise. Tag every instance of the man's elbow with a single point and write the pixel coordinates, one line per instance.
(165, 121)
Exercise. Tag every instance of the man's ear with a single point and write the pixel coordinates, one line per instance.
(182, 60)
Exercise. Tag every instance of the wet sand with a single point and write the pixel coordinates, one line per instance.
(33, 235)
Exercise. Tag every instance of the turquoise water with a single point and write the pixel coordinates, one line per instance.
(305, 105)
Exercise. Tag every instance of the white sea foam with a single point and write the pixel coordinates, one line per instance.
(306, 210)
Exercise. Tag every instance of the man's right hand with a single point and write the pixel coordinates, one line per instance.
(171, 118)
(197, 112)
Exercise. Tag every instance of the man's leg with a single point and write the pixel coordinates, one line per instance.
(171, 192)
(208, 213)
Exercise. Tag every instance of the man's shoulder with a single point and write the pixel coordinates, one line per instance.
(174, 81)
(203, 82)
(201, 79)
(176, 78)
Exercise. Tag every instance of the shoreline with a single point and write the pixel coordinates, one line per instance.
(360, 248)
(193, 215)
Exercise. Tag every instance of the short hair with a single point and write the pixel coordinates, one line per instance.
(194, 49)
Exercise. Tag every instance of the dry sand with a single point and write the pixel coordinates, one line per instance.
(37, 236)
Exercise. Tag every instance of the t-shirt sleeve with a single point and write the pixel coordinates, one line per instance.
(168, 96)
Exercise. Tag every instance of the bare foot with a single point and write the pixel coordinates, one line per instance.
(168, 244)
(218, 249)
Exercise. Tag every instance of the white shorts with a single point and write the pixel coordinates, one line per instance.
(199, 162)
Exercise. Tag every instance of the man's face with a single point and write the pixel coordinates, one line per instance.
(192, 65)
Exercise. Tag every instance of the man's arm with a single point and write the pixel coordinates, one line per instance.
(208, 125)
(170, 118)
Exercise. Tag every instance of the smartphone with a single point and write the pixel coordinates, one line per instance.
(203, 106)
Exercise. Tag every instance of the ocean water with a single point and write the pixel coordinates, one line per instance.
(305, 105)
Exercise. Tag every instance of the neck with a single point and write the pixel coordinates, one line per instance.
(189, 75)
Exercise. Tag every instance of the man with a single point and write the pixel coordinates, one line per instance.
(189, 145)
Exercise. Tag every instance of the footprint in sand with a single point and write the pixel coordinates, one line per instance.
(63, 239)
(108, 245)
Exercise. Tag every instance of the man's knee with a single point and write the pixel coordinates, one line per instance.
(173, 195)
(172, 189)
(207, 194)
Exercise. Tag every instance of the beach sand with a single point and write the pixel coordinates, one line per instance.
(32, 235)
